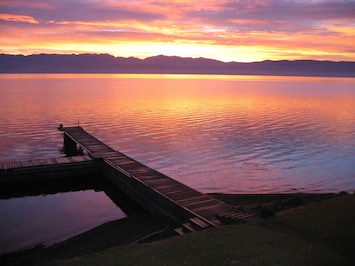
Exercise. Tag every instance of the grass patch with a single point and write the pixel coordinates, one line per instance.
(329, 224)
(231, 245)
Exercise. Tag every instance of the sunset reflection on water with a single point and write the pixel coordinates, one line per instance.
(247, 134)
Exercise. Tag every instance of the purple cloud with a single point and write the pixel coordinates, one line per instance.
(69, 10)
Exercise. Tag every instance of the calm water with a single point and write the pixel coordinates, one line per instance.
(244, 134)
(230, 134)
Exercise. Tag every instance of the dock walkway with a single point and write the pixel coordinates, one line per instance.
(12, 172)
(151, 188)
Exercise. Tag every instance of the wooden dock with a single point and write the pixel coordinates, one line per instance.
(43, 169)
(151, 189)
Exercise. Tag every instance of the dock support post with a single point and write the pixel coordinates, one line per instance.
(69, 146)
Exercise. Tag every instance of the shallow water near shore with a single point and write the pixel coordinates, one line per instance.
(48, 219)
(52, 211)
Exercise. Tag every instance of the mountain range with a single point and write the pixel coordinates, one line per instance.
(104, 63)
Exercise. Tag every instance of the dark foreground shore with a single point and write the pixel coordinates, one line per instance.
(146, 228)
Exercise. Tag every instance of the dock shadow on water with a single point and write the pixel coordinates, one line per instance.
(52, 211)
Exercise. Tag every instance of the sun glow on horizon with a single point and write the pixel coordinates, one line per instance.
(240, 31)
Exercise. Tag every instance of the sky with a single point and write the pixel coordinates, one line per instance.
(226, 30)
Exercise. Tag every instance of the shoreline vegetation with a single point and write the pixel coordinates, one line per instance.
(297, 229)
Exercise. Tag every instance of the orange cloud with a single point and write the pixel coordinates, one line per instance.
(18, 18)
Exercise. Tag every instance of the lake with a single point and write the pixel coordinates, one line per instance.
(231, 134)
(228, 134)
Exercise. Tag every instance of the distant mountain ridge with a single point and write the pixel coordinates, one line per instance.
(104, 63)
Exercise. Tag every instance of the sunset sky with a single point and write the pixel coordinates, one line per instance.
(226, 30)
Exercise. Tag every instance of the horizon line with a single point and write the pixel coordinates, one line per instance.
(176, 56)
